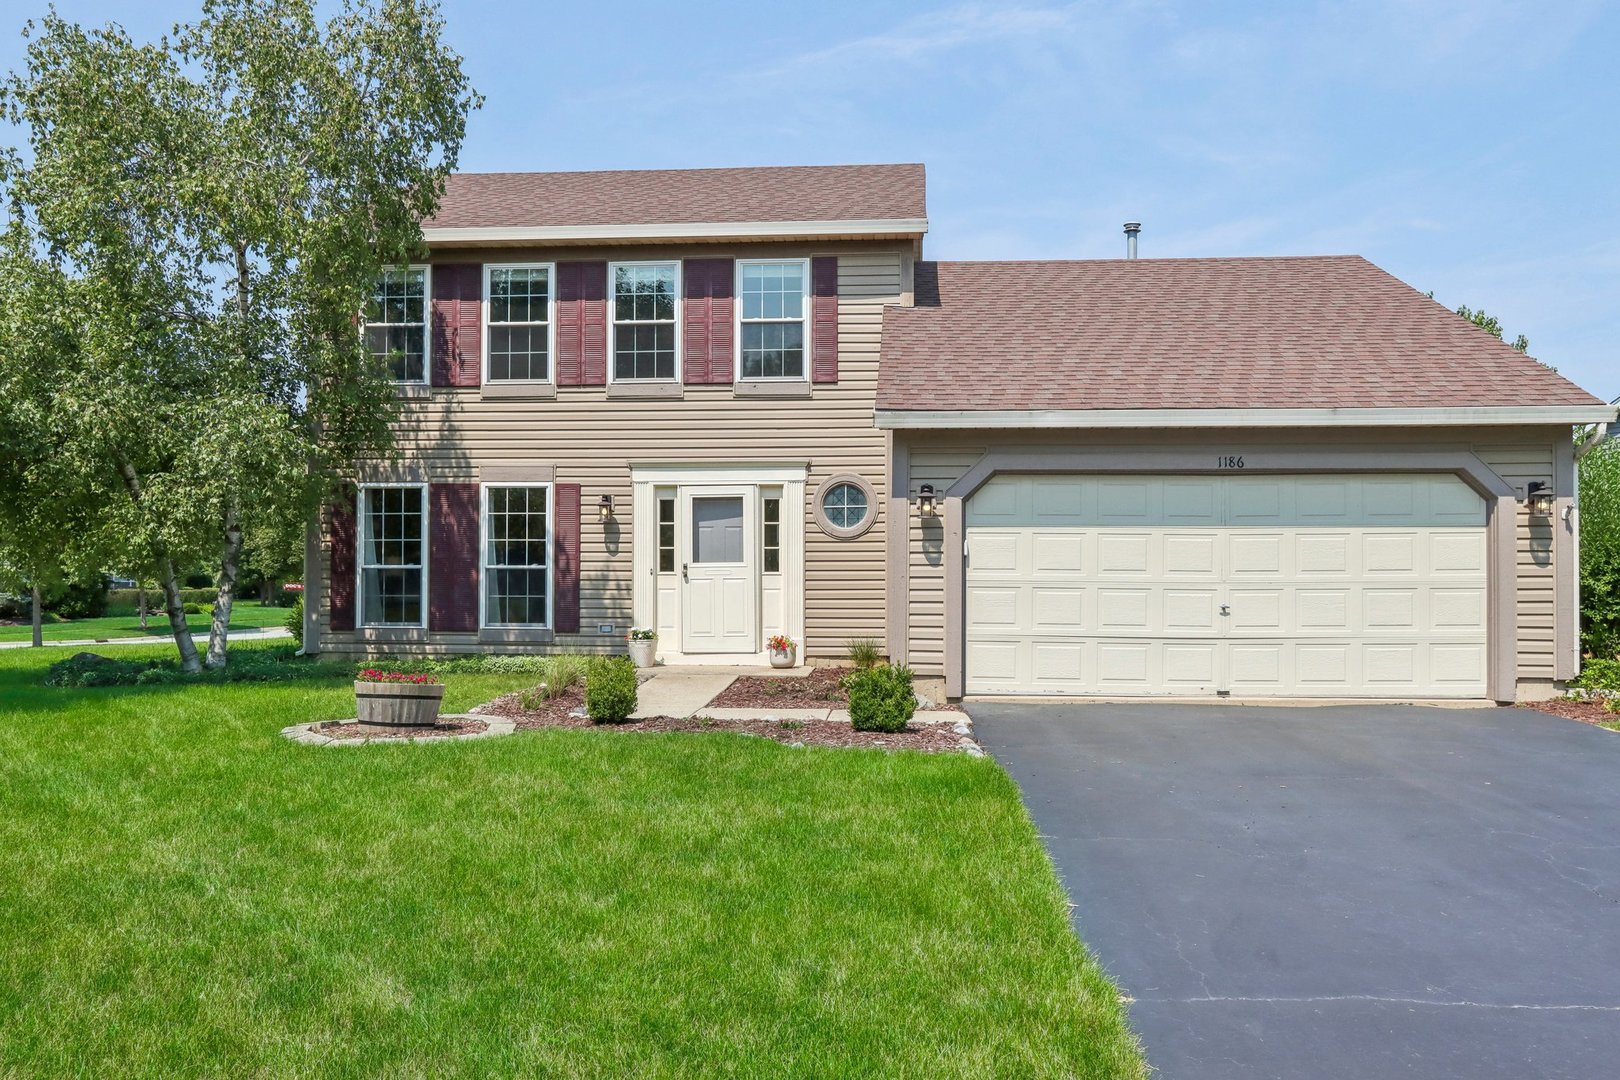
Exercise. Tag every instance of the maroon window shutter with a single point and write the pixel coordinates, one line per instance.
(709, 333)
(568, 308)
(453, 557)
(457, 321)
(565, 551)
(593, 324)
(824, 319)
(340, 565)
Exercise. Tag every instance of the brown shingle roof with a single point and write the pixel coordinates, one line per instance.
(1260, 333)
(679, 196)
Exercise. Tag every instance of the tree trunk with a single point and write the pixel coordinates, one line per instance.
(37, 617)
(140, 604)
(229, 566)
(189, 660)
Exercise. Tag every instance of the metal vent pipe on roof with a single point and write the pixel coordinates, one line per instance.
(1132, 230)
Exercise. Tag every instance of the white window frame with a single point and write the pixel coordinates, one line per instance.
(551, 322)
(483, 556)
(360, 565)
(427, 325)
(613, 323)
(739, 321)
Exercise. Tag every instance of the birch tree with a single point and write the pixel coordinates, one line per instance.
(218, 205)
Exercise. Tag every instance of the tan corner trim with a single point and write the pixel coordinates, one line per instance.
(1566, 566)
(517, 474)
(1501, 508)
(897, 607)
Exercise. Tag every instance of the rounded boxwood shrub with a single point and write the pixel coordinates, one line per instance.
(610, 690)
(295, 620)
(881, 698)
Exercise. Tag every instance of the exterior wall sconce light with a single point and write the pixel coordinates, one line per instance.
(926, 506)
(1540, 497)
(604, 508)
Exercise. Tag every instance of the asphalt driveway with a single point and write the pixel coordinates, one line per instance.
(1359, 891)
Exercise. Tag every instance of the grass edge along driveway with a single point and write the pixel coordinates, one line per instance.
(188, 894)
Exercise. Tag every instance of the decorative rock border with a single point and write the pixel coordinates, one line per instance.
(309, 736)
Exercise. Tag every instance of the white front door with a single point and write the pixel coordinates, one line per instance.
(719, 570)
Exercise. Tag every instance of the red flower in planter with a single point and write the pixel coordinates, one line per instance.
(374, 675)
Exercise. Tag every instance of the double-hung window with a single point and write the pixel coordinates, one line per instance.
(517, 564)
(645, 330)
(775, 296)
(518, 323)
(393, 525)
(396, 323)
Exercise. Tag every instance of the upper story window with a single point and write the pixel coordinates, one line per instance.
(392, 526)
(518, 324)
(396, 323)
(775, 296)
(644, 319)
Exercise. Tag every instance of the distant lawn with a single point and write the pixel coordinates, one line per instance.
(244, 614)
(187, 894)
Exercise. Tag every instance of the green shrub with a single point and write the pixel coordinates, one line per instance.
(1599, 675)
(123, 602)
(1600, 550)
(295, 621)
(246, 665)
(193, 609)
(86, 599)
(92, 669)
(864, 652)
(610, 690)
(881, 698)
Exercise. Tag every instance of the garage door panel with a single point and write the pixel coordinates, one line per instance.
(1333, 585)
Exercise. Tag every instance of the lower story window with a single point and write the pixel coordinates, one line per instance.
(516, 568)
(392, 529)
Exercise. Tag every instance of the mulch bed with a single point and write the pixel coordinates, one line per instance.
(821, 689)
(337, 729)
(1587, 712)
(559, 713)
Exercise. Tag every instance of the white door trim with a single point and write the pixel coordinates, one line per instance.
(791, 477)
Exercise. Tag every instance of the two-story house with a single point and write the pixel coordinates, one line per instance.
(727, 403)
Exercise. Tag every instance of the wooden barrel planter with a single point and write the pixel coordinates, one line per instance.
(390, 706)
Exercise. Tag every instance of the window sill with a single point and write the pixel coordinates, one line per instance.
(645, 391)
(413, 390)
(771, 388)
(399, 635)
(519, 391)
(516, 635)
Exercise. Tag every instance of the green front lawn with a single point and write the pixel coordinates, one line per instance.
(187, 894)
(244, 614)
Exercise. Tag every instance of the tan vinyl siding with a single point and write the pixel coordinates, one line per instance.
(1518, 455)
(1518, 464)
(592, 440)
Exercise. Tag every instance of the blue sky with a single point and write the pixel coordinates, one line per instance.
(1469, 148)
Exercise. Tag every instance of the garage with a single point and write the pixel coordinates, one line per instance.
(1326, 585)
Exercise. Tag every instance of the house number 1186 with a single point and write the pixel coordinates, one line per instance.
(1229, 461)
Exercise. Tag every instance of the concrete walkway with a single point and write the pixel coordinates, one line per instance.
(679, 691)
(254, 633)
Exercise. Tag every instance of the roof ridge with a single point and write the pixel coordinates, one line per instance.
(695, 169)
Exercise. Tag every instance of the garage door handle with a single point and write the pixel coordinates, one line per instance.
(1226, 609)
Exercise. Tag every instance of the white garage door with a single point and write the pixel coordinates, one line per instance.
(1326, 586)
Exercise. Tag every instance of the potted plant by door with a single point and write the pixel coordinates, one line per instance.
(782, 649)
(643, 646)
(390, 700)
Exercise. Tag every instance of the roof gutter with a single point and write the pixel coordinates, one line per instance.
(1246, 418)
(1601, 433)
(686, 230)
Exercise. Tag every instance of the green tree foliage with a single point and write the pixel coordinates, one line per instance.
(1600, 550)
(1491, 326)
(206, 215)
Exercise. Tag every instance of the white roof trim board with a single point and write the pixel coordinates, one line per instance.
(677, 230)
(1153, 418)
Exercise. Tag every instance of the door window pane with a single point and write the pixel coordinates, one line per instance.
(771, 536)
(717, 529)
(666, 536)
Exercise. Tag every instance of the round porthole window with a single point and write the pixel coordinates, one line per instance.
(844, 506)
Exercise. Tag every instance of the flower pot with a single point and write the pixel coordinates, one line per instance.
(643, 653)
(389, 706)
(783, 657)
